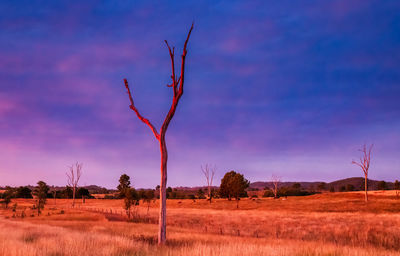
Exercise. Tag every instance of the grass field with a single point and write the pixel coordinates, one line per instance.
(324, 224)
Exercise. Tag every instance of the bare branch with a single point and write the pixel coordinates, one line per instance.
(364, 164)
(73, 178)
(275, 179)
(180, 92)
(70, 176)
(209, 172)
(173, 77)
(144, 120)
(78, 172)
(359, 164)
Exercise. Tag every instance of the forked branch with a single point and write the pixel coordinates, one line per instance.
(183, 63)
(177, 91)
(365, 159)
(144, 120)
(74, 176)
(209, 172)
(275, 179)
(177, 86)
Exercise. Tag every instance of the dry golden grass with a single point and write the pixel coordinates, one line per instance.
(326, 224)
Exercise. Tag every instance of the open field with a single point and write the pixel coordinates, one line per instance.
(325, 224)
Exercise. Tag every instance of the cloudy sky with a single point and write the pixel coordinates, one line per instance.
(293, 88)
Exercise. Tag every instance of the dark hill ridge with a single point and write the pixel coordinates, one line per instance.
(357, 182)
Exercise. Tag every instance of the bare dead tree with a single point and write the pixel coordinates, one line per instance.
(209, 172)
(364, 163)
(75, 172)
(275, 179)
(177, 89)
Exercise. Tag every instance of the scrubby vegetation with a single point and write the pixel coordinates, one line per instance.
(321, 224)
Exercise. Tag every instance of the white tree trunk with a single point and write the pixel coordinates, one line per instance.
(366, 188)
(162, 222)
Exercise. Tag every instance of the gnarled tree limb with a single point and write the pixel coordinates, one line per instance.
(144, 120)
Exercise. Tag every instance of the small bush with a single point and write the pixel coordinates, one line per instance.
(191, 196)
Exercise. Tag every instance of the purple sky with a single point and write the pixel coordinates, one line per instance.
(293, 88)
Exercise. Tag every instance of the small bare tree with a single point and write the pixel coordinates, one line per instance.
(275, 179)
(177, 89)
(130, 201)
(209, 172)
(75, 172)
(364, 163)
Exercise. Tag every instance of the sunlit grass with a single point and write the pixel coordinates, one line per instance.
(328, 224)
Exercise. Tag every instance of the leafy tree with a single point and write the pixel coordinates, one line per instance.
(233, 185)
(23, 192)
(67, 192)
(7, 195)
(321, 186)
(332, 189)
(296, 185)
(397, 185)
(131, 198)
(124, 184)
(215, 193)
(225, 187)
(147, 196)
(288, 191)
(382, 185)
(349, 187)
(342, 189)
(172, 195)
(40, 192)
(191, 196)
(83, 192)
(268, 192)
(200, 194)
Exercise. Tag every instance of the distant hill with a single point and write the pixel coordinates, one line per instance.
(357, 182)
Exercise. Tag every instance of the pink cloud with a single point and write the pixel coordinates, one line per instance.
(6, 106)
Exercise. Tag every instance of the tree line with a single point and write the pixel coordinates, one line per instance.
(26, 192)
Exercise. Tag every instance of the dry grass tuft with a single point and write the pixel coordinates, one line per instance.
(327, 224)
